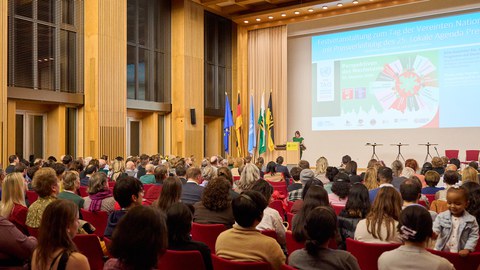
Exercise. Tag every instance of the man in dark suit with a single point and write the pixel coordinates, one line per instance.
(192, 191)
(180, 171)
(13, 160)
(282, 169)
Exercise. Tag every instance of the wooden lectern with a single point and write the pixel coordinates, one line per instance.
(293, 153)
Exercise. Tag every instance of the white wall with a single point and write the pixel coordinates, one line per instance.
(334, 144)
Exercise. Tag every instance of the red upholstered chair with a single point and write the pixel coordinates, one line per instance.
(338, 208)
(83, 191)
(278, 205)
(287, 267)
(430, 197)
(471, 155)
(292, 244)
(281, 187)
(207, 233)
(289, 219)
(451, 153)
(33, 231)
(89, 245)
(223, 264)
(181, 260)
(270, 233)
(108, 243)
(97, 219)
(367, 254)
(32, 196)
(472, 261)
(146, 187)
(289, 205)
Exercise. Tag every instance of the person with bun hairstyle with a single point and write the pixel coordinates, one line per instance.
(320, 227)
(415, 230)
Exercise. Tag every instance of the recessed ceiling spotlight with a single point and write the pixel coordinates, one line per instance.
(310, 10)
(258, 19)
(355, 2)
(270, 17)
(339, 5)
(245, 21)
(325, 7)
(297, 12)
(283, 14)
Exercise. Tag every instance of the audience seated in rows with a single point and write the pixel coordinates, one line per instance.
(56, 249)
(179, 224)
(320, 228)
(138, 247)
(216, 204)
(243, 242)
(100, 197)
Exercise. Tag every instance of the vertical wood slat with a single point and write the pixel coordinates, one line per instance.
(3, 81)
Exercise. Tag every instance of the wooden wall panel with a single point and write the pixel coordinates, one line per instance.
(187, 78)
(11, 109)
(105, 77)
(214, 137)
(3, 82)
(55, 139)
(149, 133)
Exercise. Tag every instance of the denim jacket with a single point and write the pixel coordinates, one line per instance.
(467, 231)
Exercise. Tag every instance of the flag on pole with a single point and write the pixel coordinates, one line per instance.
(252, 141)
(228, 122)
(269, 121)
(238, 126)
(262, 147)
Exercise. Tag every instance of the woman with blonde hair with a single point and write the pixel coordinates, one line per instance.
(250, 174)
(469, 174)
(118, 169)
(381, 223)
(237, 164)
(12, 206)
(321, 169)
(371, 178)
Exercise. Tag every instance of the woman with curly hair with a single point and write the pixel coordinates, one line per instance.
(380, 224)
(340, 189)
(216, 204)
(250, 174)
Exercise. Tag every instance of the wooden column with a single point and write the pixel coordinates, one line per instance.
(55, 139)
(149, 133)
(187, 78)
(105, 77)
(3, 83)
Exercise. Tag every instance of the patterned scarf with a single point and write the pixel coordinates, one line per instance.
(97, 198)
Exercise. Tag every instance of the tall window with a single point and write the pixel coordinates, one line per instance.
(45, 45)
(148, 50)
(218, 62)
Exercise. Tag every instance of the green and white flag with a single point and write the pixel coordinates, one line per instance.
(262, 147)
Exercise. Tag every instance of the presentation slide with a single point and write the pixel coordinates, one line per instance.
(421, 74)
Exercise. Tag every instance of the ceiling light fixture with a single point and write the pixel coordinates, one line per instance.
(258, 19)
(339, 5)
(310, 10)
(355, 2)
(245, 21)
(283, 14)
(270, 17)
(325, 7)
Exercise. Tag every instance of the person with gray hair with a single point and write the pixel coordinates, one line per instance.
(250, 174)
(71, 182)
(130, 169)
(100, 198)
(149, 177)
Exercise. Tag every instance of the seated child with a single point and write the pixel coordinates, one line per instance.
(432, 178)
(457, 230)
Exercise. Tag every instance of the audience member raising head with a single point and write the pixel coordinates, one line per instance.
(12, 206)
(179, 224)
(465, 240)
(46, 185)
(415, 229)
(138, 247)
(216, 204)
(56, 249)
(320, 228)
(243, 242)
(128, 192)
(380, 224)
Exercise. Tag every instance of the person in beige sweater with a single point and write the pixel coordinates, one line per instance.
(243, 242)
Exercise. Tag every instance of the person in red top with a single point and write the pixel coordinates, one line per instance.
(13, 205)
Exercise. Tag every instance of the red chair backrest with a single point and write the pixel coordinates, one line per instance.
(287, 267)
(146, 187)
(181, 260)
(223, 264)
(422, 203)
(83, 191)
(367, 254)
(472, 261)
(451, 154)
(289, 205)
(33, 231)
(292, 244)
(430, 197)
(278, 205)
(338, 208)
(471, 155)
(97, 219)
(89, 245)
(289, 219)
(236, 178)
(270, 233)
(281, 187)
(32, 196)
(207, 233)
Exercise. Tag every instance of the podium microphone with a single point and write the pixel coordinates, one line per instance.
(436, 151)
